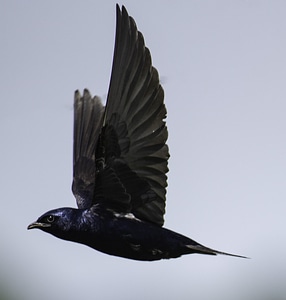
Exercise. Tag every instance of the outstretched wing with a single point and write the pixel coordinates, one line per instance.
(128, 171)
(88, 116)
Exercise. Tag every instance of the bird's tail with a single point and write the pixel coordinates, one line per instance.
(198, 248)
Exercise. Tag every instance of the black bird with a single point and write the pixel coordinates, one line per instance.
(120, 163)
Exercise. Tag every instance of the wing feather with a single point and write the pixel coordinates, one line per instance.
(134, 117)
(120, 153)
(88, 116)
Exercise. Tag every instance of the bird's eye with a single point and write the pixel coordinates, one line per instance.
(50, 218)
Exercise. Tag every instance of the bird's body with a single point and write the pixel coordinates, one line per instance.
(120, 163)
(121, 234)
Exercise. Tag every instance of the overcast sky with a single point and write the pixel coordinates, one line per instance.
(223, 68)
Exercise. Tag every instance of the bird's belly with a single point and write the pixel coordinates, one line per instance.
(135, 240)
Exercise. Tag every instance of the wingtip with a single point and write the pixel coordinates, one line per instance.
(121, 10)
(124, 10)
(117, 8)
(86, 93)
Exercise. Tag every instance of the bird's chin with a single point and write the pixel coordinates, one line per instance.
(38, 225)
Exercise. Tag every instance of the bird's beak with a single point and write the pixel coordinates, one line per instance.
(38, 225)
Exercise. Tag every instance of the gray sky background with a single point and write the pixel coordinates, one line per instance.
(223, 69)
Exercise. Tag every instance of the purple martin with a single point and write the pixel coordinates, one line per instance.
(120, 162)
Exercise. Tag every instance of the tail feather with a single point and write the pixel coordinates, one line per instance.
(205, 250)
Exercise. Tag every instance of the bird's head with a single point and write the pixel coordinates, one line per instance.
(55, 221)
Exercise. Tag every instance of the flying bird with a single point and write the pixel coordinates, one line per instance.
(120, 159)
